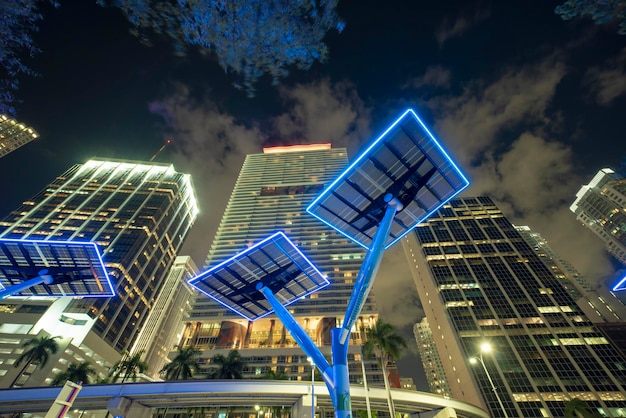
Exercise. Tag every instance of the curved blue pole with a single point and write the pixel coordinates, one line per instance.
(369, 268)
(43, 277)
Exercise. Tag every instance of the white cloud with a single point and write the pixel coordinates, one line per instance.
(455, 28)
(434, 76)
(608, 83)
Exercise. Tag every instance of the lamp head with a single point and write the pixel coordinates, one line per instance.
(473, 360)
(485, 348)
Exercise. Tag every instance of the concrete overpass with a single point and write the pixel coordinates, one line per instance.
(146, 398)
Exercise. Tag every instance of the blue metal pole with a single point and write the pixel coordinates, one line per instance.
(343, 406)
(300, 336)
(369, 268)
(43, 277)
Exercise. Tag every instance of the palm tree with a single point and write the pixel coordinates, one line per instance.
(183, 365)
(276, 375)
(382, 341)
(229, 367)
(130, 366)
(75, 373)
(577, 408)
(39, 353)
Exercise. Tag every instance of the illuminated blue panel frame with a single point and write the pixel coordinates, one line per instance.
(405, 161)
(78, 267)
(621, 285)
(276, 262)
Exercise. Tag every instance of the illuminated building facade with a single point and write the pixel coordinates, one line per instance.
(431, 362)
(137, 213)
(13, 135)
(163, 328)
(601, 207)
(271, 193)
(480, 281)
(598, 302)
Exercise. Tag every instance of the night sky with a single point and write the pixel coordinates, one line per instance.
(529, 105)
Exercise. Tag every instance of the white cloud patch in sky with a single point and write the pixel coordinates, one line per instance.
(609, 82)
(434, 76)
(530, 176)
(323, 112)
(452, 28)
(211, 144)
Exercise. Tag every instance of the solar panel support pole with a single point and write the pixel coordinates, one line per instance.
(365, 279)
(299, 335)
(43, 277)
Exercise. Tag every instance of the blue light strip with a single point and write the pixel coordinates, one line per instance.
(364, 154)
(320, 284)
(67, 244)
(618, 287)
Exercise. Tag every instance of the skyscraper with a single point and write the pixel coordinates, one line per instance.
(597, 301)
(271, 193)
(13, 135)
(433, 366)
(601, 207)
(480, 282)
(163, 328)
(137, 213)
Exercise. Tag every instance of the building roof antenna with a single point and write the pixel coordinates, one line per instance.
(167, 143)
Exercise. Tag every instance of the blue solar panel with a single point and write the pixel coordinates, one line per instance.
(77, 267)
(276, 262)
(405, 161)
(621, 285)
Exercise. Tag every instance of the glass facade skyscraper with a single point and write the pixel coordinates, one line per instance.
(271, 193)
(597, 301)
(601, 207)
(13, 135)
(433, 366)
(480, 281)
(137, 213)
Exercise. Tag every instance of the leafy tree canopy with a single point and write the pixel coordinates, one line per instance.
(19, 19)
(600, 11)
(228, 367)
(183, 365)
(75, 373)
(249, 37)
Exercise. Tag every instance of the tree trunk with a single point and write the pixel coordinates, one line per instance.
(392, 408)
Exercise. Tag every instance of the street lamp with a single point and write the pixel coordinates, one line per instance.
(487, 348)
(310, 359)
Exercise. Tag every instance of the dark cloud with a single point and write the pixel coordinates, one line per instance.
(608, 82)
(434, 76)
(452, 28)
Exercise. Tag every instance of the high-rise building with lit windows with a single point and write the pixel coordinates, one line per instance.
(137, 213)
(271, 193)
(13, 135)
(163, 328)
(480, 282)
(596, 300)
(601, 207)
(433, 366)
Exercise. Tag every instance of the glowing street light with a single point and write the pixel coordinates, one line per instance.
(487, 348)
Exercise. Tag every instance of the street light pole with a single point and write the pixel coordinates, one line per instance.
(312, 387)
(486, 348)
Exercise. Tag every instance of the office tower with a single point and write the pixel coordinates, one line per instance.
(164, 326)
(137, 213)
(13, 135)
(598, 302)
(433, 366)
(480, 282)
(601, 207)
(271, 193)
